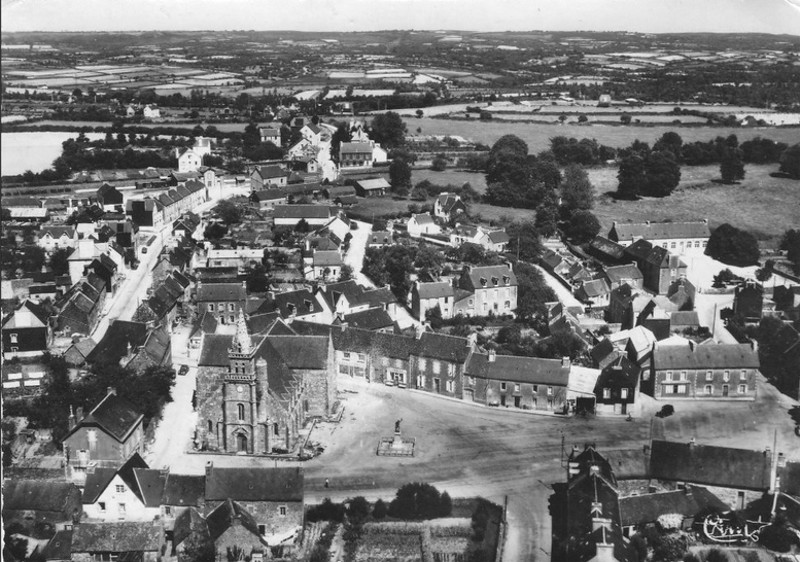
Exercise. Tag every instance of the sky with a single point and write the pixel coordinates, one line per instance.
(649, 16)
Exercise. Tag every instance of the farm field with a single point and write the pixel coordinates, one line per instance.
(761, 204)
(538, 135)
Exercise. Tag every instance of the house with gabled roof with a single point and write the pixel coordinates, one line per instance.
(131, 492)
(274, 497)
(617, 388)
(703, 372)
(189, 160)
(619, 275)
(302, 304)
(223, 300)
(420, 224)
(106, 438)
(80, 307)
(595, 293)
(493, 288)
(356, 154)
(263, 177)
(182, 493)
(27, 331)
(127, 540)
(270, 134)
(680, 238)
(425, 296)
(373, 319)
(372, 187)
(54, 505)
(438, 362)
(448, 206)
(325, 265)
(313, 215)
(51, 238)
(529, 383)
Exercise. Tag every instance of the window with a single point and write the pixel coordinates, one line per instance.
(709, 390)
(168, 511)
(437, 367)
(683, 375)
(119, 488)
(709, 376)
(681, 389)
(13, 338)
(742, 389)
(503, 386)
(231, 307)
(210, 426)
(697, 243)
(422, 364)
(726, 376)
(101, 506)
(742, 375)
(536, 388)
(451, 386)
(420, 381)
(470, 381)
(211, 307)
(672, 244)
(624, 393)
(240, 407)
(507, 305)
(516, 388)
(606, 393)
(347, 355)
(121, 510)
(282, 511)
(549, 390)
(668, 376)
(362, 357)
(262, 529)
(231, 319)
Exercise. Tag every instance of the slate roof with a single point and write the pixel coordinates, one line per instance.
(36, 495)
(715, 356)
(489, 276)
(513, 368)
(28, 315)
(118, 336)
(324, 258)
(98, 481)
(184, 489)
(713, 466)
(215, 350)
(302, 212)
(57, 231)
(498, 237)
(221, 292)
(297, 303)
(790, 479)
(300, 352)
(448, 201)
(261, 322)
(622, 273)
(269, 195)
(223, 516)
(254, 484)
(660, 230)
(440, 346)
(374, 183)
(380, 237)
(606, 247)
(355, 148)
(115, 415)
(187, 523)
(128, 536)
(684, 318)
(647, 508)
(639, 250)
(151, 485)
(594, 288)
(59, 547)
(435, 290)
(423, 218)
(370, 319)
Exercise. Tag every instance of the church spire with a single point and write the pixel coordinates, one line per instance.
(242, 342)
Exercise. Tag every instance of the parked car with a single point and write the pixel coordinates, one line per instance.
(183, 370)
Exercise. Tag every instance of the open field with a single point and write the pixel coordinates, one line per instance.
(538, 135)
(451, 177)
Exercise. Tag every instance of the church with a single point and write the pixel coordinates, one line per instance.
(255, 393)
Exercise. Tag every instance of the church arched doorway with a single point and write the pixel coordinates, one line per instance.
(241, 443)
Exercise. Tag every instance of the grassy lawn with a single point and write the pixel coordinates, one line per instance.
(451, 177)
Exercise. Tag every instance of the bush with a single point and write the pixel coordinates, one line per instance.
(778, 537)
(717, 555)
(358, 509)
(416, 500)
(326, 511)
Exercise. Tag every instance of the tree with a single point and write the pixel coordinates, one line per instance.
(342, 134)
(790, 243)
(625, 119)
(547, 214)
(357, 509)
(790, 161)
(434, 317)
(59, 261)
(445, 505)
(732, 246)
(389, 130)
(198, 547)
(662, 173)
(379, 510)
(731, 167)
(400, 176)
(228, 212)
(439, 164)
(419, 113)
(416, 500)
(583, 226)
(214, 231)
(524, 240)
(631, 176)
(582, 118)
(671, 142)
(577, 192)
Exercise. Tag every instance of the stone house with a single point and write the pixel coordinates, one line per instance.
(659, 268)
(106, 438)
(748, 301)
(422, 224)
(189, 161)
(264, 177)
(80, 307)
(437, 363)
(629, 274)
(54, 505)
(374, 187)
(224, 300)
(528, 383)
(425, 296)
(313, 215)
(272, 496)
(448, 206)
(182, 492)
(132, 492)
(595, 293)
(681, 238)
(27, 331)
(703, 372)
(493, 288)
(356, 154)
(617, 388)
(735, 476)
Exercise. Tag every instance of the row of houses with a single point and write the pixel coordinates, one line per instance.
(156, 213)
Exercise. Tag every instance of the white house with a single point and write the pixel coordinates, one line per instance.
(326, 265)
(422, 224)
(270, 134)
(189, 161)
(681, 238)
(151, 112)
(131, 493)
(53, 237)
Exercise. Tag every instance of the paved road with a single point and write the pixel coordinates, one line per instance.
(355, 259)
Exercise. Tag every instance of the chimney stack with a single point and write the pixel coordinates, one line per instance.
(492, 356)
(111, 390)
(209, 467)
(565, 362)
(79, 414)
(72, 422)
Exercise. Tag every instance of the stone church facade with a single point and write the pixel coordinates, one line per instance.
(255, 394)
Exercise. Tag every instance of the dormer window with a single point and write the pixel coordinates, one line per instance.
(506, 279)
(291, 308)
(494, 280)
(483, 281)
(309, 305)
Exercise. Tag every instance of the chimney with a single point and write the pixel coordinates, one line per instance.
(79, 414)
(647, 223)
(781, 460)
(692, 443)
(72, 422)
(209, 467)
(565, 362)
(692, 344)
(164, 471)
(492, 356)
(111, 390)
(754, 345)
(688, 491)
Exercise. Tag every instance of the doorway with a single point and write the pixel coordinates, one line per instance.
(241, 443)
